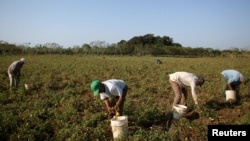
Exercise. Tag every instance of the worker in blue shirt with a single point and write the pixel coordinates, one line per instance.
(232, 79)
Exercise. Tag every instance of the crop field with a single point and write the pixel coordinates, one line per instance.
(62, 107)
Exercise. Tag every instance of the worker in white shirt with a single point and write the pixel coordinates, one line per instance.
(14, 72)
(108, 90)
(180, 81)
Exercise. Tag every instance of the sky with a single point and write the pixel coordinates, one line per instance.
(218, 24)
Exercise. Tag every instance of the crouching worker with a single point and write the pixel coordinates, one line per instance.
(231, 80)
(113, 92)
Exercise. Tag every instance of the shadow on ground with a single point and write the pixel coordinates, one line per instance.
(218, 105)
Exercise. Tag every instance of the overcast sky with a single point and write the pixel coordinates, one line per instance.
(218, 24)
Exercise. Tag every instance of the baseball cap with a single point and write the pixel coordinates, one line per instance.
(95, 87)
(23, 60)
(246, 79)
(202, 80)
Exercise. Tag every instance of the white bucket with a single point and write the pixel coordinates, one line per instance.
(230, 95)
(179, 111)
(119, 127)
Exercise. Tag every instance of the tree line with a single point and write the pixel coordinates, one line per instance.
(139, 45)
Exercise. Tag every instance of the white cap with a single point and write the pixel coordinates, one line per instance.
(23, 60)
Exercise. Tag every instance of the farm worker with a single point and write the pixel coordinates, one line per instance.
(180, 81)
(231, 80)
(112, 92)
(14, 72)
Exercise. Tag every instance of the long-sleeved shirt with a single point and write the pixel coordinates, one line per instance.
(185, 79)
(15, 68)
(113, 87)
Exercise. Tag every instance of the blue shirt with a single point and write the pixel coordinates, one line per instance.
(232, 76)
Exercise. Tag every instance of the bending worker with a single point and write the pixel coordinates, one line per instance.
(113, 92)
(231, 80)
(14, 72)
(180, 81)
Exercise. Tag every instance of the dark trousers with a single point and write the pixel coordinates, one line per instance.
(236, 88)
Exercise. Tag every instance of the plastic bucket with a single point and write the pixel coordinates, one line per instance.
(179, 111)
(119, 127)
(230, 95)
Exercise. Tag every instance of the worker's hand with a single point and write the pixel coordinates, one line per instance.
(110, 109)
(198, 108)
(116, 108)
(111, 112)
(196, 102)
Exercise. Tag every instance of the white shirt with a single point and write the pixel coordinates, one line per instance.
(113, 87)
(185, 79)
